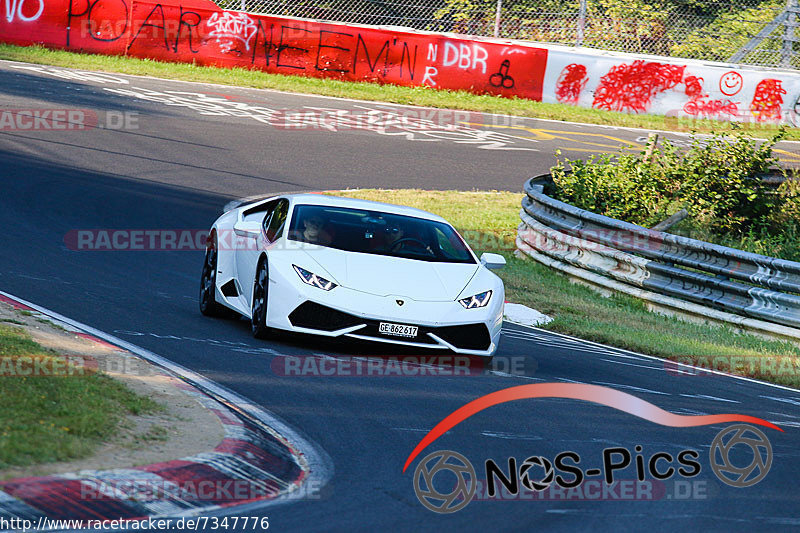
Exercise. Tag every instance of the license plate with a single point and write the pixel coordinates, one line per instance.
(397, 330)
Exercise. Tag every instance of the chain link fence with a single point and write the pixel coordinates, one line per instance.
(758, 32)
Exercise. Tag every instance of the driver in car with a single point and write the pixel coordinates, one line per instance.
(396, 241)
(314, 231)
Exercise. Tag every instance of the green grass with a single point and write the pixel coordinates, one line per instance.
(488, 221)
(57, 418)
(420, 96)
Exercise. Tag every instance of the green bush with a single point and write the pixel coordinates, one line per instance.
(718, 180)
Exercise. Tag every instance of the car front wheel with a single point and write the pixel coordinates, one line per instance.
(260, 299)
(208, 281)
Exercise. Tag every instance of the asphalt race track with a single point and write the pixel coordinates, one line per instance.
(196, 147)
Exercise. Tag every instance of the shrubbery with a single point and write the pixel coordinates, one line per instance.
(719, 180)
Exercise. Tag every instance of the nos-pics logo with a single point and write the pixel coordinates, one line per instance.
(445, 481)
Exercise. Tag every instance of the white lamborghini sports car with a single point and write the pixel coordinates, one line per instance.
(341, 267)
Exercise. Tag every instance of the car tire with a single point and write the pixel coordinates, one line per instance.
(208, 280)
(258, 311)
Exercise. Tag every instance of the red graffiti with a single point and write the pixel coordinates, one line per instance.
(570, 83)
(731, 83)
(694, 87)
(767, 101)
(711, 108)
(632, 87)
(200, 32)
(697, 106)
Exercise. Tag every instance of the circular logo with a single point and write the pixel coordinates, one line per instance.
(720, 455)
(544, 464)
(445, 502)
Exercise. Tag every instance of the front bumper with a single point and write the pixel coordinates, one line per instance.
(345, 312)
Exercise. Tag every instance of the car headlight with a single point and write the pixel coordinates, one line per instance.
(479, 300)
(309, 278)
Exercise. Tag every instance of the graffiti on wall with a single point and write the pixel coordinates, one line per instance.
(731, 83)
(701, 106)
(501, 78)
(570, 83)
(631, 87)
(24, 10)
(175, 31)
(636, 87)
(456, 55)
(199, 31)
(229, 28)
(101, 21)
(768, 101)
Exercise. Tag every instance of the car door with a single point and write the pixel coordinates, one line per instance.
(272, 230)
(248, 250)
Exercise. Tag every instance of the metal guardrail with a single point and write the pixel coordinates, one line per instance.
(730, 280)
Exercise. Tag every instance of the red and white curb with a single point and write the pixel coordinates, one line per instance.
(260, 460)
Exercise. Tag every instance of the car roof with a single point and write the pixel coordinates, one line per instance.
(355, 203)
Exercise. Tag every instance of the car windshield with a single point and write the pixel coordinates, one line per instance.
(375, 232)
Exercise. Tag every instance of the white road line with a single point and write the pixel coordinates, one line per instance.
(786, 423)
(792, 401)
(630, 387)
(660, 368)
(507, 375)
(615, 352)
(509, 436)
(783, 414)
(707, 397)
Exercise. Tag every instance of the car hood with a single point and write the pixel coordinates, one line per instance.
(384, 276)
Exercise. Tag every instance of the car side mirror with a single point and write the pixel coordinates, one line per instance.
(250, 228)
(493, 261)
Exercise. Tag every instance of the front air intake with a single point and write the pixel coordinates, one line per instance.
(315, 316)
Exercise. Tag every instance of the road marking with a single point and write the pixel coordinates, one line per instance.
(614, 352)
(792, 401)
(502, 116)
(507, 375)
(707, 397)
(509, 436)
(630, 387)
(786, 423)
(631, 364)
(540, 134)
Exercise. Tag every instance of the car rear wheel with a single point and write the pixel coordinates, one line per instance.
(208, 281)
(260, 300)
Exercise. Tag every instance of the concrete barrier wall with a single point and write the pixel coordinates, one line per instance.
(672, 87)
(198, 31)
